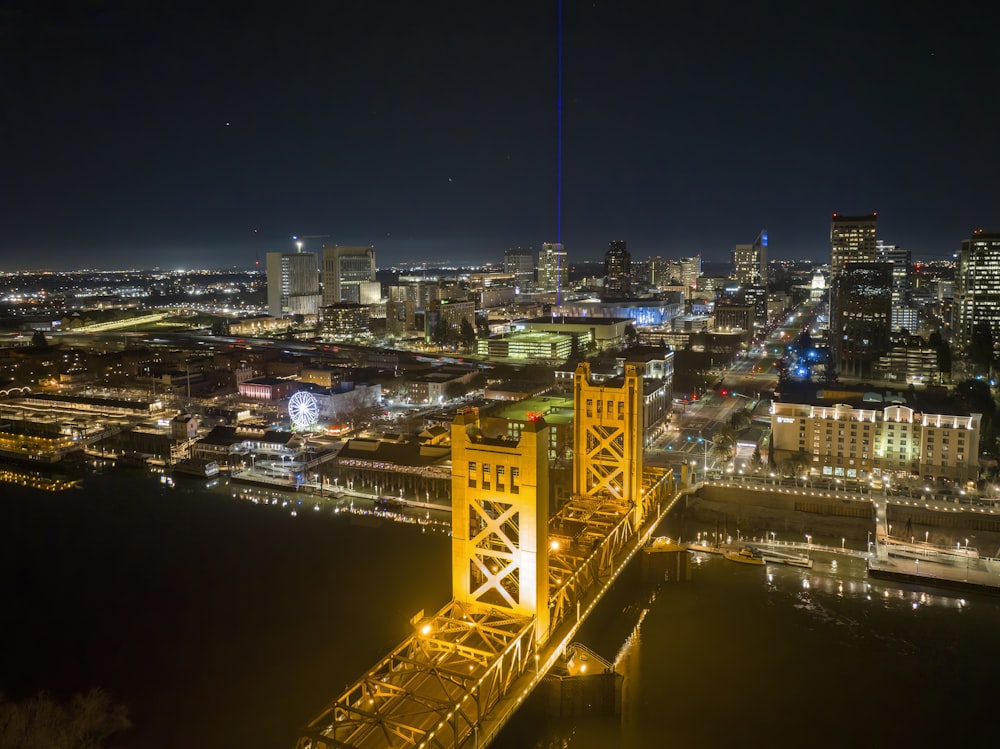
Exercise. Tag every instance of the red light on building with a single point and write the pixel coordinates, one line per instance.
(534, 415)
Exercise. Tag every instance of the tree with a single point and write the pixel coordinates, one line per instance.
(467, 334)
(740, 420)
(455, 390)
(723, 445)
(441, 333)
(804, 342)
(84, 723)
(981, 346)
(38, 339)
(974, 396)
(756, 460)
(722, 452)
(943, 350)
(631, 336)
(798, 463)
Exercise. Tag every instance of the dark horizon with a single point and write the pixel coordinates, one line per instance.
(429, 131)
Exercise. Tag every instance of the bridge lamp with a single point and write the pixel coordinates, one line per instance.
(554, 545)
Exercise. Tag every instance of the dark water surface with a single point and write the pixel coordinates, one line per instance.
(780, 656)
(218, 622)
(221, 623)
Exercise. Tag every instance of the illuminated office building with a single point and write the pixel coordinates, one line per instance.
(750, 261)
(292, 283)
(977, 286)
(861, 316)
(852, 240)
(902, 268)
(348, 275)
(522, 264)
(617, 270)
(552, 268)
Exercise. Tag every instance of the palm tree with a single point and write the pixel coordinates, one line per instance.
(740, 420)
(723, 445)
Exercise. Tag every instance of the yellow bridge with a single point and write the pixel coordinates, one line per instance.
(524, 575)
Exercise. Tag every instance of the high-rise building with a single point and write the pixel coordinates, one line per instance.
(617, 270)
(345, 271)
(659, 271)
(902, 266)
(861, 316)
(686, 271)
(852, 240)
(750, 261)
(977, 286)
(522, 264)
(292, 283)
(552, 268)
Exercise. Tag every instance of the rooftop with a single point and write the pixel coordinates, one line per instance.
(557, 409)
(567, 320)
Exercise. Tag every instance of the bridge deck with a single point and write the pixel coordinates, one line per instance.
(464, 671)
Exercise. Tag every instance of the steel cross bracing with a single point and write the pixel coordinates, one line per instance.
(605, 459)
(585, 536)
(433, 689)
(495, 564)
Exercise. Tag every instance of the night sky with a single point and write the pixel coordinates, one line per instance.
(164, 134)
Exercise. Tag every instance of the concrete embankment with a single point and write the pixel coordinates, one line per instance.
(760, 510)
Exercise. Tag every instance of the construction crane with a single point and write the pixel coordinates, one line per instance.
(299, 240)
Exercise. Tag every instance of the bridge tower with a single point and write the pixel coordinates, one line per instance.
(500, 515)
(607, 437)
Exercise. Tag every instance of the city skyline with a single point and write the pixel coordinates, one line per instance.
(210, 138)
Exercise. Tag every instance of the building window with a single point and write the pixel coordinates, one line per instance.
(590, 407)
(515, 480)
(500, 478)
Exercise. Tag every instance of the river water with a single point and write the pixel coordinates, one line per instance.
(220, 622)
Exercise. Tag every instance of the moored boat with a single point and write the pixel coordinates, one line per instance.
(746, 555)
(201, 469)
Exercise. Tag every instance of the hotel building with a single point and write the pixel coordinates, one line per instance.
(860, 443)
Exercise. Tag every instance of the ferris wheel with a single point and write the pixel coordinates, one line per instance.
(303, 409)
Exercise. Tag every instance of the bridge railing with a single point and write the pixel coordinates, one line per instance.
(433, 689)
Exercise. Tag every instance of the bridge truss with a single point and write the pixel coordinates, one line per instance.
(586, 537)
(434, 688)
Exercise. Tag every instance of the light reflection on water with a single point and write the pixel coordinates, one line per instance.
(782, 652)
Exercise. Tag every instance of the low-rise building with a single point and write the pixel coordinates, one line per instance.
(432, 387)
(605, 332)
(184, 426)
(344, 320)
(267, 388)
(861, 443)
(910, 364)
(529, 345)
